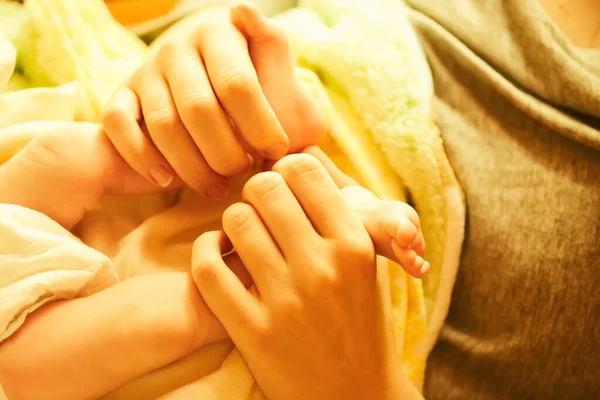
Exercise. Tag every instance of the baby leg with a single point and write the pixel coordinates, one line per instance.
(394, 227)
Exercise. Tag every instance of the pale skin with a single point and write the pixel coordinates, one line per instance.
(338, 256)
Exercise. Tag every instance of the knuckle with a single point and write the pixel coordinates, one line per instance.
(299, 165)
(204, 266)
(328, 281)
(263, 139)
(273, 143)
(264, 185)
(204, 271)
(361, 257)
(230, 166)
(293, 303)
(363, 250)
(261, 332)
(205, 28)
(114, 118)
(198, 104)
(161, 121)
(137, 157)
(237, 217)
(167, 51)
(365, 255)
(235, 83)
(359, 246)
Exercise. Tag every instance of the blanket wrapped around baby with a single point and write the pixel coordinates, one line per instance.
(363, 63)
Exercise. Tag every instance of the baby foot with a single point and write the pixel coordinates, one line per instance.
(394, 227)
(401, 227)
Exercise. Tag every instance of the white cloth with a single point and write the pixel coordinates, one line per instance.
(41, 262)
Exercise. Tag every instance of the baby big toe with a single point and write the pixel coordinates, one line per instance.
(398, 224)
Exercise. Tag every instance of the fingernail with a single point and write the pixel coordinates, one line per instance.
(424, 268)
(161, 176)
(218, 191)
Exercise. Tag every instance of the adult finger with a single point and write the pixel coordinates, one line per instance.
(319, 196)
(255, 246)
(235, 264)
(121, 123)
(223, 292)
(270, 52)
(267, 42)
(171, 138)
(282, 214)
(200, 110)
(341, 179)
(236, 84)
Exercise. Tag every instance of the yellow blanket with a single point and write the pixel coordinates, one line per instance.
(364, 65)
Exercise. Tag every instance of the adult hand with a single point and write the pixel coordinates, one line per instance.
(209, 97)
(312, 327)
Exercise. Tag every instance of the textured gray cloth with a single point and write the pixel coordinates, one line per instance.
(519, 110)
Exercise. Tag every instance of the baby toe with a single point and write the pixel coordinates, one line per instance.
(411, 262)
(399, 227)
(418, 244)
